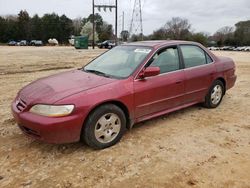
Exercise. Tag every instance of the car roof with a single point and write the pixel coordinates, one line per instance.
(158, 43)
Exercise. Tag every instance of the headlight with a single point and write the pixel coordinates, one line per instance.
(52, 110)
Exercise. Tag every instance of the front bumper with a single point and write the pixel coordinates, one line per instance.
(49, 129)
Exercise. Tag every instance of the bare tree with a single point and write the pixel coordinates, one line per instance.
(77, 24)
(226, 30)
(223, 34)
(159, 34)
(178, 28)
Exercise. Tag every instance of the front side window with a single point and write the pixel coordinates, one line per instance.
(167, 60)
(120, 62)
(194, 56)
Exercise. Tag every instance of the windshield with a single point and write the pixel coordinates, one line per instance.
(120, 62)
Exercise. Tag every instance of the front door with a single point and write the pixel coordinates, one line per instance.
(164, 91)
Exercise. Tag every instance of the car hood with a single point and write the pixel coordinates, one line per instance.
(54, 88)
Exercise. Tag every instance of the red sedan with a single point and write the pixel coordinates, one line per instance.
(126, 85)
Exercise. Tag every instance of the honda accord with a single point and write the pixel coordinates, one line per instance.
(128, 84)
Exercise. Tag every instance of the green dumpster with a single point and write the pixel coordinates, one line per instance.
(81, 42)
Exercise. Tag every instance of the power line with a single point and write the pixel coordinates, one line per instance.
(104, 6)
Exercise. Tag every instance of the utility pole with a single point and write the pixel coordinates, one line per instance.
(123, 21)
(93, 17)
(110, 7)
(116, 25)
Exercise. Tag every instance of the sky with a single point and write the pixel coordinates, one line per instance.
(204, 15)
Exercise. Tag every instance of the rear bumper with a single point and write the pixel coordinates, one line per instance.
(231, 81)
(50, 130)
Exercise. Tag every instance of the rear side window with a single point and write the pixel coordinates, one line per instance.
(194, 56)
(209, 59)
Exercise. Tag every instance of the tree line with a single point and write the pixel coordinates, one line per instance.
(24, 27)
(180, 29)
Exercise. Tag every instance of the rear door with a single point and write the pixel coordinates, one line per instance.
(164, 91)
(199, 71)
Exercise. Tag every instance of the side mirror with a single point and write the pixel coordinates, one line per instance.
(149, 72)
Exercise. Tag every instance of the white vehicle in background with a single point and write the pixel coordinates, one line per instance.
(247, 49)
(226, 48)
(38, 43)
(72, 40)
(213, 48)
(53, 42)
(231, 48)
(237, 49)
(22, 43)
(240, 48)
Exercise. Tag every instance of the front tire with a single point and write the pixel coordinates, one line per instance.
(104, 127)
(215, 95)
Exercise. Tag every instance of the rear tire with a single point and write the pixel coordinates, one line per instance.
(215, 95)
(104, 127)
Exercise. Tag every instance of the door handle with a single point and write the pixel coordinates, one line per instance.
(179, 82)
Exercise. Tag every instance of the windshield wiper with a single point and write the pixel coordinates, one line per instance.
(98, 73)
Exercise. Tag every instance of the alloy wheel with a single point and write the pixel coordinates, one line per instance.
(216, 94)
(107, 128)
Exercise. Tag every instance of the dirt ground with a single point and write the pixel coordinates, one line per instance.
(194, 147)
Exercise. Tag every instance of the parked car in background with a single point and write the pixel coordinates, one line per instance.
(128, 84)
(53, 42)
(12, 43)
(32, 42)
(240, 48)
(237, 49)
(38, 43)
(71, 41)
(23, 43)
(213, 48)
(231, 48)
(247, 48)
(106, 44)
(225, 48)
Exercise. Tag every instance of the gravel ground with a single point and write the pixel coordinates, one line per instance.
(194, 147)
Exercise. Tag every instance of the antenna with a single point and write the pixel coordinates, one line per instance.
(136, 21)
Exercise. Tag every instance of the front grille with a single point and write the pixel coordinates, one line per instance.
(21, 104)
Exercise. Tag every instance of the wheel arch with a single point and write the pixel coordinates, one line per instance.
(120, 104)
(224, 83)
